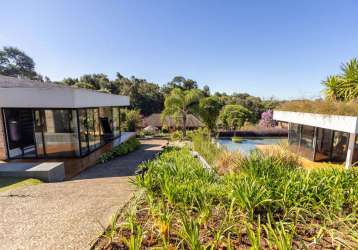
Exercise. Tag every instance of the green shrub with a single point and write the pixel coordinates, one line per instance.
(122, 149)
(176, 135)
(268, 199)
(202, 143)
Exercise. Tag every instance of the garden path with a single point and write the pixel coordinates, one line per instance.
(70, 214)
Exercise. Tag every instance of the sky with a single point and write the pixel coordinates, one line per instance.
(282, 49)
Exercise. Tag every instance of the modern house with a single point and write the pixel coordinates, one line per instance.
(56, 122)
(154, 120)
(320, 137)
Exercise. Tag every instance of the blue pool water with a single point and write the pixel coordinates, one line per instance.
(248, 144)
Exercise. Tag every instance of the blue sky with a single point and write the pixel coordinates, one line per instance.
(266, 48)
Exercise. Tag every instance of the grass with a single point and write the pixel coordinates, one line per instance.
(304, 162)
(263, 201)
(321, 107)
(8, 183)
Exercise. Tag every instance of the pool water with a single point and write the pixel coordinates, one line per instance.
(248, 144)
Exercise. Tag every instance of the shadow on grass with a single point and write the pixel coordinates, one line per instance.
(7, 183)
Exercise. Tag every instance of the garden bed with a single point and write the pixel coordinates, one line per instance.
(261, 201)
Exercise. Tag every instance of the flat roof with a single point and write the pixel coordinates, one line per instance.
(23, 93)
(342, 123)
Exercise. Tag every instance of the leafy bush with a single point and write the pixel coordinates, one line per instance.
(176, 135)
(122, 149)
(270, 198)
(265, 201)
(131, 119)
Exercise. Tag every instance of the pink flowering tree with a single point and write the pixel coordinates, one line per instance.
(267, 119)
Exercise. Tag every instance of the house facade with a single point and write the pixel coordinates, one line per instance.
(51, 121)
(318, 137)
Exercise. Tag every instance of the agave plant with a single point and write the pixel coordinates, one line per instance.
(343, 87)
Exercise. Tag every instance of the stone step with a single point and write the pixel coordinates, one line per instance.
(45, 171)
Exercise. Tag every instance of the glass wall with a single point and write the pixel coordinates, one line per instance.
(38, 133)
(307, 142)
(355, 152)
(294, 136)
(82, 118)
(19, 128)
(324, 144)
(106, 119)
(94, 134)
(98, 126)
(116, 121)
(59, 133)
(339, 146)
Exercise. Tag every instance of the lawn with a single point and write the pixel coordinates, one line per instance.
(264, 201)
(7, 183)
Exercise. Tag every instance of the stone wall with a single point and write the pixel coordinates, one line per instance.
(2, 140)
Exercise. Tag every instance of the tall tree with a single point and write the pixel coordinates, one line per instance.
(179, 82)
(234, 116)
(144, 95)
(180, 103)
(209, 109)
(16, 63)
(344, 86)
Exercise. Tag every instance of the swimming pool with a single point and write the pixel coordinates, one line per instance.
(248, 144)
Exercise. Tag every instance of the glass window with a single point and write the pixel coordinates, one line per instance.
(355, 152)
(94, 135)
(40, 146)
(294, 133)
(106, 121)
(340, 146)
(323, 144)
(82, 117)
(307, 142)
(20, 132)
(59, 132)
(116, 121)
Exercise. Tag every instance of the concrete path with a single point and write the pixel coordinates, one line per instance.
(68, 215)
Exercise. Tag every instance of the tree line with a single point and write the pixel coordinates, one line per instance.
(147, 97)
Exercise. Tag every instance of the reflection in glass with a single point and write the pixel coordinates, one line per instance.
(323, 144)
(60, 132)
(20, 132)
(116, 121)
(340, 146)
(38, 133)
(106, 117)
(307, 142)
(93, 129)
(82, 117)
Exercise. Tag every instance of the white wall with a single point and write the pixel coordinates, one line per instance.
(333, 122)
(58, 98)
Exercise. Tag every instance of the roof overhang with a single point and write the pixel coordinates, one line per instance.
(342, 123)
(58, 98)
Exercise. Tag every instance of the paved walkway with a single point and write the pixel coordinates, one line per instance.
(68, 215)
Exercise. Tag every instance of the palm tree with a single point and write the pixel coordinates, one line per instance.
(180, 103)
(343, 87)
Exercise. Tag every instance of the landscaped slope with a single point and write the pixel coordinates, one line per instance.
(266, 201)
